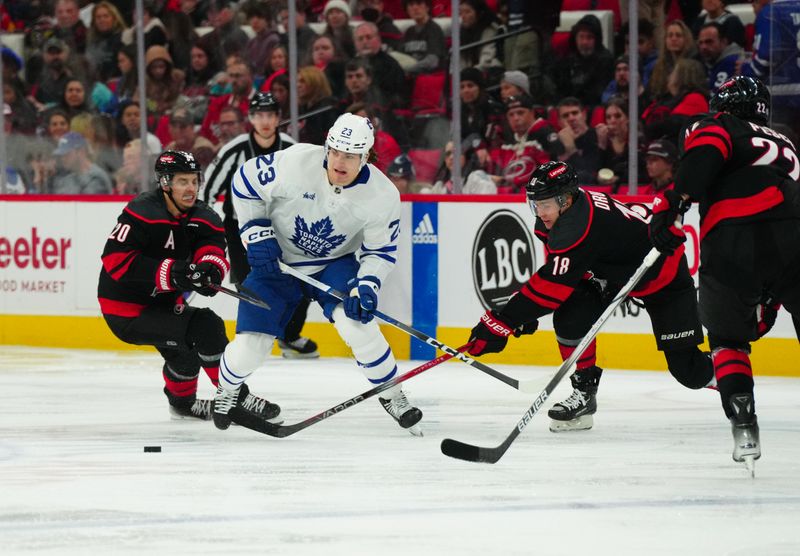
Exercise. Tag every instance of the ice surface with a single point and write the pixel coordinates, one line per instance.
(654, 476)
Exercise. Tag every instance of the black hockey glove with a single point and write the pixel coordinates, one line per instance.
(526, 329)
(204, 276)
(180, 275)
(766, 314)
(490, 335)
(667, 208)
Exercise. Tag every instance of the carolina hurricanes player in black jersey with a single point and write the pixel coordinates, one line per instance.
(593, 245)
(166, 242)
(744, 176)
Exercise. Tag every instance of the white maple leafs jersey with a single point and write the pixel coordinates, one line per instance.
(315, 222)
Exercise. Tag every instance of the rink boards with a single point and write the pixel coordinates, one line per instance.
(455, 258)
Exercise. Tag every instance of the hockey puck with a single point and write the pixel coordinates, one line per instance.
(152, 448)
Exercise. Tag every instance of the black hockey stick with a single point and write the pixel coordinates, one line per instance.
(514, 383)
(247, 420)
(252, 299)
(468, 452)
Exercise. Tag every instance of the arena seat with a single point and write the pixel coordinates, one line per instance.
(560, 43)
(426, 162)
(598, 116)
(427, 96)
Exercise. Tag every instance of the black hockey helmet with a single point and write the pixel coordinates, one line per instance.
(170, 163)
(552, 180)
(745, 97)
(263, 102)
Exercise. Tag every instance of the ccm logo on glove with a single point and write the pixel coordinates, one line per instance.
(256, 234)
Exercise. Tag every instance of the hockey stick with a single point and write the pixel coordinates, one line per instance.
(514, 383)
(247, 420)
(468, 452)
(252, 299)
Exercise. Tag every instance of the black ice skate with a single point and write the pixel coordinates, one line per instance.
(401, 410)
(301, 348)
(575, 413)
(244, 401)
(189, 408)
(744, 425)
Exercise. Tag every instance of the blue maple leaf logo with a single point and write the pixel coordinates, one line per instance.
(318, 239)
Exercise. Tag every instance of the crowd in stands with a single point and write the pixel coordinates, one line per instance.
(71, 99)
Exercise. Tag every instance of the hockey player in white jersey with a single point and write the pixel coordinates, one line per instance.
(316, 208)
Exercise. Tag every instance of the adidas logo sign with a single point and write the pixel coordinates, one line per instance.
(424, 232)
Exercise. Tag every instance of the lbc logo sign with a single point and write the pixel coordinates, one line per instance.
(502, 258)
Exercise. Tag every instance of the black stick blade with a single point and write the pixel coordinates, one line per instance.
(467, 452)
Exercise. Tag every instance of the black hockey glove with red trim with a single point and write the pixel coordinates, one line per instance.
(204, 276)
(526, 329)
(180, 275)
(490, 335)
(198, 277)
(668, 206)
(766, 314)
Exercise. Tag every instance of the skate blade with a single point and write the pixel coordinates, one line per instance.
(582, 423)
(175, 416)
(294, 355)
(415, 430)
(750, 464)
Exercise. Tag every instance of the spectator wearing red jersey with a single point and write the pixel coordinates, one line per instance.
(241, 80)
(533, 142)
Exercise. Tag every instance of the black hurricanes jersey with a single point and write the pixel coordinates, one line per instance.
(598, 236)
(754, 166)
(142, 247)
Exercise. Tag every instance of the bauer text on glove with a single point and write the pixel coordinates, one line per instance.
(490, 335)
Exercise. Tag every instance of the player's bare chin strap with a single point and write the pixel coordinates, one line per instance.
(690, 366)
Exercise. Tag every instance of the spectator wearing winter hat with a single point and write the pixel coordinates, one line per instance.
(12, 65)
(424, 41)
(401, 173)
(480, 113)
(80, 175)
(337, 18)
(478, 23)
(164, 82)
(588, 67)
(185, 138)
(514, 84)
(619, 85)
(49, 88)
(661, 157)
